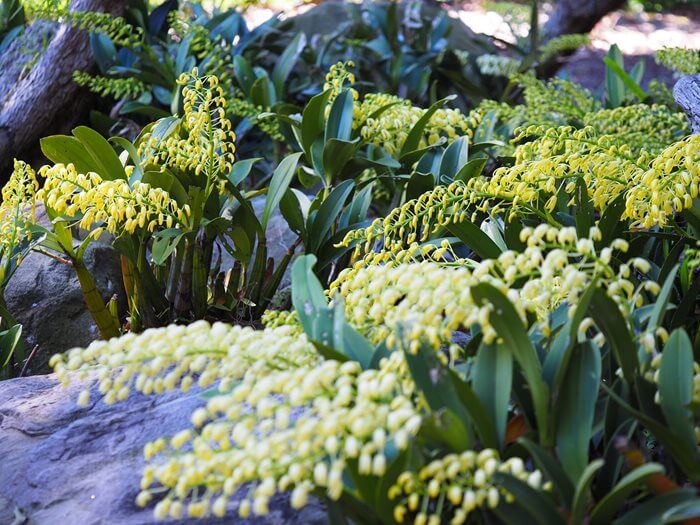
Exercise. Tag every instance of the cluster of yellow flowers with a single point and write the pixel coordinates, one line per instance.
(654, 188)
(386, 120)
(390, 127)
(17, 207)
(683, 60)
(119, 88)
(336, 78)
(641, 126)
(457, 484)
(290, 430)
(214, 53)
(287, 419)
(112, 204)
(562, 44)
(667, 187)
(432, 300)
(163, 359)
(204, 142)
(244, 108)
(116, 28)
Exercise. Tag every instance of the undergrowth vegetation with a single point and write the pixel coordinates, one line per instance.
(494, 308)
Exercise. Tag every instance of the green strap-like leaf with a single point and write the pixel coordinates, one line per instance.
(676, 385)
(605, 511)
(575, 408)
(510, 327)
(492, 380)
(281, 178)
(582, 495)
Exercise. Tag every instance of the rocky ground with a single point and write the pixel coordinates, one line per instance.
(61, 464)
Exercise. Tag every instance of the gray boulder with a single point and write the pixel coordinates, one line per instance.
(64, 464)
(45, 297)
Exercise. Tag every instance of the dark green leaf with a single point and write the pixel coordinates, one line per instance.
(281, 179)
(492, 380)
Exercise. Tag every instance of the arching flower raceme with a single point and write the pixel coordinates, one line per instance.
(203, 142)
(17, 207)
(162, 359)
(111, 204)
(456, 485)
(434, 299)
(654, 188)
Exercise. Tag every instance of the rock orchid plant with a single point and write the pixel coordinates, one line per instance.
(508, 344)
(574, 397)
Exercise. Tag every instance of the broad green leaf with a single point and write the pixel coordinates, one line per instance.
(10, 342)
(614, 84)
(661, 509)
(437, 385)
(294, 207)
(471, 169)
(244, 74)
(168, 182)
(412, 141)
(475, 238)
(349, 341)
(575, 408)
(582, 495)
(281, 178)
(683, 511)
(313, 120)
(662, 300)
(509, 326)
(307, 294)
(241, 170)
(605, 510)
(285, 62)
(418, 184)
(357, 210)
(262, 93)
(63, 149)
(164, 244)
(557, 360)
(492, 379)
(608, 318)
(339, 124)
(676, 385)
(455, 157)
(127, 146)
(327, 214)
(336, 154)
(624, 78)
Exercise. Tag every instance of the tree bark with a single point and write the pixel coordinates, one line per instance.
(46, 100)
(577, 16)
(573, 17)
(687, 95)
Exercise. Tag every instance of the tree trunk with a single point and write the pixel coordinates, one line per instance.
(45, 99)
(687, 95)
(577, 16)
(573, 17)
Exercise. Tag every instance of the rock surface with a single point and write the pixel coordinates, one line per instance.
(64, 464)
(45, 297)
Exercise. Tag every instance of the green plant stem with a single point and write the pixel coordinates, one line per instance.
(183, 297)
(100, 314)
